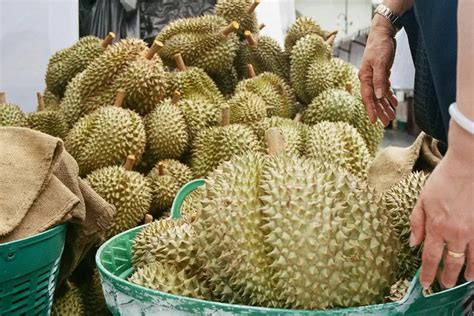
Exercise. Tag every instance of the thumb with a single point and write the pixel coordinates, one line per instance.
(380, 80)
(417, 222)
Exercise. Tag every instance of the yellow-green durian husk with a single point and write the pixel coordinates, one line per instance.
(199, 114)
(226, 82)
(70, 303)
(51, 101)
(49, 122)
(398, 290)
(12, 115)
(247, 108)
(236, 10)
(302, 27)
(128, 191)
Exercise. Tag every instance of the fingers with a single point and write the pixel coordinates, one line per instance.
(432, 253)
(388, 109)
(367, 92)
(469, 274)
(417, 222)
(381, 113)
(452, 265)
(380, 81)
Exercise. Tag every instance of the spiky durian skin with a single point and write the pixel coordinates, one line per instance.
(246, 108)
(69, 304)
(169, 279)
(195, 84)
(165, 187)
(276, 93)
(167, 131)
(214, 145)
(346, 73)
(266, 56)
(320, 77)
(128, 191)
(292, 132)
(226, 82)
(95, 87)
(12, 115)
(200, 42)
(199, 114)
(104, 137)
(340, 144)
(232, 252)
(302, 27)
(51, 101)
(146, 83)
(398, 290)
(326, 232)
(66, 64)
(336, 105)
(235, 10)
(400, 201)
(49, 122)
(307, 50)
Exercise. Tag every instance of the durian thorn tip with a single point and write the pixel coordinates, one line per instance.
(107, 40)
(275, 141)
(129, 163)
(180, 65)
(175, 97)
(330, 40)
(148, 219)
(119, 98)
(225, 113)
(232, 27)
(253, 6)
(40, 99)
(155, 47)
(251, 71)
(250, 39)
(161, 168)
(3, 97)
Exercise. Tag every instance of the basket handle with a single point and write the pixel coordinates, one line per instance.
(182, 194)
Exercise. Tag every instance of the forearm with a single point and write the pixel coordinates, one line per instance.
(399, 6)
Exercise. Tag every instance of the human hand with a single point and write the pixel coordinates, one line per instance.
(374, 72)
(444, 214)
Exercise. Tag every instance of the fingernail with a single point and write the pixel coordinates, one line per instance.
(424, 285)
(412, 240)
(378, 93)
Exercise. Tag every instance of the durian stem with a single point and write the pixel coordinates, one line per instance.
(225, 116)
(148, 219)
(119, 98)
(261, 26)
(252, 7)
(232, 27)
(161, 168)
(180, 65)
(157, 45)
(129, 163)
(251, 71)
(175, 97)
(250, 39)
(107, 40)
(3, 98)
(40, 99)
(349, 87)
(331, 34)
(330, 40)
(298, 117)
(275, 141)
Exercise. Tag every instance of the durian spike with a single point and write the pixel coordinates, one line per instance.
(252, 7)
(349, 87)
(330, 40)
(161, 168)
(119, 98)
(298, 117)
(40, 99)
(155, 47)
(175, 97)
(331, 34)
(225, 116)
(3, 98)
(251, 71)
(232, 27)
(107, 40)
(129, 163)
(250, 39)
(275, 141)
(180, 65)
(148, 219)
(261, 26)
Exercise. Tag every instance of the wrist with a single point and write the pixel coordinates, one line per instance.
(382, 25)
(399, 6)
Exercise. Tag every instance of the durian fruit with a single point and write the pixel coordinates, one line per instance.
(400, 201)
(214, 145)
(340, 144)
(308, 50)
(226, 82)
(398, 290)
(346, 75)
(47, 121)
(67, 63)
(207, 42)
(146, 79)
(70, 303)
(94, 296)
(247, 108)
(337, 105)
(51, 101)
(12, 115)
(104, 137)
(167, 131)
(302, 27)
(274, 91)
(242, 11)
(165, 180)
(127, 190)
(193, 83)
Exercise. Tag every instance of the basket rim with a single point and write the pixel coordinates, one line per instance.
(36, 237)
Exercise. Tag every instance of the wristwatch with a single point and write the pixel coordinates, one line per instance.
(391, 16)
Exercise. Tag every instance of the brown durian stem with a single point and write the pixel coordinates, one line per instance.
(331, 34)
(175, 97)
(3, 98)
(180, 65)
(298, 117)
(119, 98)
(155, 47)
(251, 71)
(107, 40)
(40, 99)
(349, 87)
(261, 26)
(232, 27)
(252, 7)
(129, 163)
(330, 40)
(148, 219)
(225, 114)
(250, 39)
(275, 141)
(161, 168)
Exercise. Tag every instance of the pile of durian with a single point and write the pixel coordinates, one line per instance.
(286, 217)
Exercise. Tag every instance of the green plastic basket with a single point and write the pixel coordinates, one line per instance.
(28, 272)
(124, 298)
